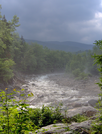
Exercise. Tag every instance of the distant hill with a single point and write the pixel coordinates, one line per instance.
(68, 46)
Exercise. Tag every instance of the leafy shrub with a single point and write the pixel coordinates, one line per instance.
(17, 117)
(76, 72)
(83, 76)
(79, 118)
(14, 115)
(45, 116)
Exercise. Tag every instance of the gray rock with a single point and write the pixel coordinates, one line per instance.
(85, 125)
(74, 88)
(92, 102)
(85, 110)
(53, 128)
(40, 96)
(68, 132)
(77, 105)
(60, 128)
(33, 84)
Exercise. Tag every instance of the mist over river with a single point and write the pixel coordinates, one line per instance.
(52, 89)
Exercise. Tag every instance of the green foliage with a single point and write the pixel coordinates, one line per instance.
(14, 115)
(97, 124)
(6, 71)
(76, 72)
(6, 62)
(17, 117)
(45, 116)
(79, 118)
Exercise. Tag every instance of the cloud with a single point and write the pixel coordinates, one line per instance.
(56, 19)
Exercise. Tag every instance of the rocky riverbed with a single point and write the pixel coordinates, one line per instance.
(77, 96)
(53, 89)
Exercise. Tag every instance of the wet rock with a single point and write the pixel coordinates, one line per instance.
(80, 127)
(61, 128)
(74, 88)
(79, 104)
(54, 92)
(93, 102)
(53, 128)
(33, 84)
(85, 110)
(40, 96)
(69, 132)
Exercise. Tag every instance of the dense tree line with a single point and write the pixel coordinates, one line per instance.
(16, 54)
(35, 58)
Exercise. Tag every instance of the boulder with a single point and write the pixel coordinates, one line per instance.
(84, 110)
(92, 102)
(53, 128)
(79, 104)
(84, 125)
(61, 128)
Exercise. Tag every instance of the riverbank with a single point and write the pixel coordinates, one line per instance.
(88, 86)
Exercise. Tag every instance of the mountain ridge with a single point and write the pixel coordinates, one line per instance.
(68, 46)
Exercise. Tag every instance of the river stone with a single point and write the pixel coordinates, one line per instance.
(79, 104)
(60, 128)
(68, 132)
(84, 110)
(93, 102)
(84, 124)
(40, 96)
(53, 128)
(33, 84)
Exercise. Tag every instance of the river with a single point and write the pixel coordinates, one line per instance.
(47, 92)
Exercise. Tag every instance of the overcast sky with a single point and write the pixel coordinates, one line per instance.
(56, 20)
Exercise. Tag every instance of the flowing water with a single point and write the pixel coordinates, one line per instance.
(47, 92)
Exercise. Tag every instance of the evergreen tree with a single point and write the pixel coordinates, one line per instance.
(6, 62)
